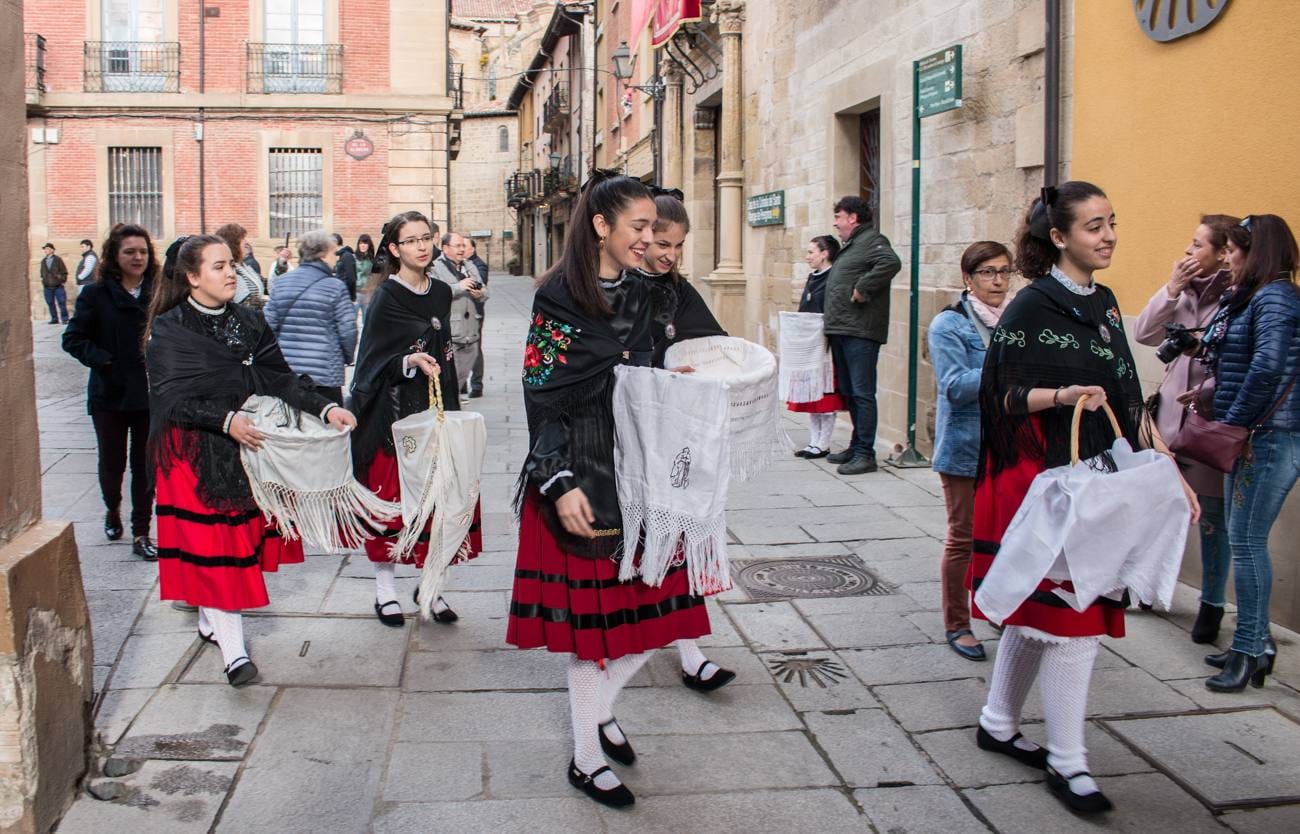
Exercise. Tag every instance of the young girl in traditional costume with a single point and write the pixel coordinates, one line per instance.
(406, 340)
(821, 413)
(206, 356)
(681, 313)
(1060, 340)
(592, 312)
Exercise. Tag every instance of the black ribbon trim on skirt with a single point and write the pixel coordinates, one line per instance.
(209, 561)
(581, 584)
(605, 622)
(1051, 600)
(235, 520)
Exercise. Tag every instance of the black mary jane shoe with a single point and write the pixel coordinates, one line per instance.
(113, 525)
(243, 674)
(1218, 661)
(621, 753)
(720, 678)
(1208, 620)
(210, 637)
(445, 616)
(1080, 803)
(391, 620)
(817, 455)
(616, 797)
(802, 453)
(144, 547)
(975, 652)
(1034, 758)
(1240, 669)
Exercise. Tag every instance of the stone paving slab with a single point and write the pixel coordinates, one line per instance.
(160, 798)
(774, 626)
(823, 811)
(427, 771)
(1161, 648)
(149, 659)
(576, 814)
(1264, 820)
(732, 709)
(505, 669)
(823, 694)
(681, 764)
(117, 709)
(212, 723)
(483, 616)
(1279, 696)
(490, 716)
(1248, 757)
(914, 664)
(112, 615)
(844, 631)
(919, 810)
(301, 589)
(869, 750)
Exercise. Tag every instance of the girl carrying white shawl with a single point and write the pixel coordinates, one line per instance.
(206, 356)
(406, 339)
(821, 411)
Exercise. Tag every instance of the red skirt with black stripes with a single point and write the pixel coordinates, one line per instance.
(382, 480)
(212, 558)
(997, 498)
(577, 605)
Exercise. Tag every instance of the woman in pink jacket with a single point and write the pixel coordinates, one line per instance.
(1190, 299)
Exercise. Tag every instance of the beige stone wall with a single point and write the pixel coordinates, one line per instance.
(826, 62)
(478, 196)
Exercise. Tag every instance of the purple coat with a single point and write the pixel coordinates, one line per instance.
(1193, 308)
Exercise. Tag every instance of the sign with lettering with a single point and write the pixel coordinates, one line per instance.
(766, 209)
(359, 146)
(938, 82)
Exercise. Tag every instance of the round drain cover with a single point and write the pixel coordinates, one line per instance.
(809, 578)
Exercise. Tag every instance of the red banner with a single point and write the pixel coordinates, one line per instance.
(669, 16)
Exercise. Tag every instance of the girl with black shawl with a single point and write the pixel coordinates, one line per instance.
(592, 312)
(1061, 340)
(205, 356)
(680, 313)
(406, 340)
(820, 253)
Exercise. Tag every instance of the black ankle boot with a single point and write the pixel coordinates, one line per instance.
(1208, 620)
(1239, 670)
(1218, 660)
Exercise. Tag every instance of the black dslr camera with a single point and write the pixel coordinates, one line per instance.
(1179, 338)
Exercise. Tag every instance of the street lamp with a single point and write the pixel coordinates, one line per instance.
(622, 60)
(554, 159)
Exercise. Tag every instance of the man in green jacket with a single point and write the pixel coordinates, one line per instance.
(857, 324)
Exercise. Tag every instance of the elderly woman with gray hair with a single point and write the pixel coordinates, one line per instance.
(312, 316)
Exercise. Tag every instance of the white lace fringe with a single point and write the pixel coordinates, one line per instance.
(806, 385)
(750, 459)
(670, 538)
(342, 518)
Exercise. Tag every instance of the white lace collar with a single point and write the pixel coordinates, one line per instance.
(202, 308)
(1070, 283)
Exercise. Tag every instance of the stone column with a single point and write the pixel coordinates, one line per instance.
(46, 680)
(726, 284)
(673, 152)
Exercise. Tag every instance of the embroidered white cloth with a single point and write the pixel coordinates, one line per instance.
(302, 478)
(749, 370)
(671, 471)
(806, 371)
(440, 469)
(1102, 531)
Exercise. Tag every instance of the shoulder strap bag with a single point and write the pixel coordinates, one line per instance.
(1217, 444)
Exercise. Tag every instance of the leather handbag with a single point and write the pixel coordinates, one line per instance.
(1217, 444)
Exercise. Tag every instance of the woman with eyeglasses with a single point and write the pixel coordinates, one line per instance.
(959, 339)
(406, 340)
(1188, 301)
(1252, 345)
(592, 312)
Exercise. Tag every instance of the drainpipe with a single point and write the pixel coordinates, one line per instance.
(199, 134)
(1052, 93)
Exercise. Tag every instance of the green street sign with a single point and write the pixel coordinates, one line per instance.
(766, 209)
(938, 82)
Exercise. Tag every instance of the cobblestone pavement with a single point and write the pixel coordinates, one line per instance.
(848, 714)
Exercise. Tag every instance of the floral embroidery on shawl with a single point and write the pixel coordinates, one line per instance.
(548, 340)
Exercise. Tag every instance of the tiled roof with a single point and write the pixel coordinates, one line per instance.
(489, 9)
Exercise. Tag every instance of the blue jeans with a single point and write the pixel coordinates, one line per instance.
(59, 296)
(855, 373)
(1216, 552)
(1255, 491)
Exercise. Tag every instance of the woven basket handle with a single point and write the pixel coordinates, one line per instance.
(1074, 426)
(435, 396)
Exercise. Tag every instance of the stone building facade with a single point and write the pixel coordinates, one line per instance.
(332, 118)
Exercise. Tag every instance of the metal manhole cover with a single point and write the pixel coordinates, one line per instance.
(835, 576)
(821, 671)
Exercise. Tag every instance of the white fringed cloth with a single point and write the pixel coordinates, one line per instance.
(749, 370)
(806, 370)
(302, 479)
(440, 470)
(671, 470)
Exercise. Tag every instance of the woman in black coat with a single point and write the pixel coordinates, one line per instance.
(105, 334)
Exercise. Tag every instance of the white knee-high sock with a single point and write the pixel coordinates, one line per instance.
(820, 429)
(585, 679)
(228, 626)
(693, 659)
(615, 676)
(385, 582)
(1014, 671)
(205, 624)
(1066, 673)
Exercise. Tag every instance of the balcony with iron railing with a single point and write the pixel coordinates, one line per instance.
(456, 85)
(559, 181)
(555, 110)
(295, 68)
(34, 63)
(522, 187)
(132, 67)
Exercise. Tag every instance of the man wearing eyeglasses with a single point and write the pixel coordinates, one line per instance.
(466, 290)
(856, 321)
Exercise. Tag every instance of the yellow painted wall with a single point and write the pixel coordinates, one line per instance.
(1203, 124)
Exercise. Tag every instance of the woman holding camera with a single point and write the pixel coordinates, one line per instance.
(1171, 322)
(1253, 345)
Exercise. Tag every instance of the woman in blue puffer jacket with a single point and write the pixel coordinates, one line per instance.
(1253, 343)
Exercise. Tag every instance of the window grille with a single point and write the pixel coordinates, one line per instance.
(296, 190)
(135, 192)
